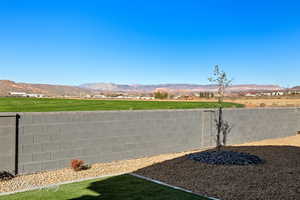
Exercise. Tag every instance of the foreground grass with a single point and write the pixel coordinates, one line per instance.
(123, 187)
(44, 105)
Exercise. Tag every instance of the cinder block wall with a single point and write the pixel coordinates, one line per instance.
(50, 140)
(262, 123)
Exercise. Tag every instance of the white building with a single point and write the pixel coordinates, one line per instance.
(99, 96)
(17, 94)
(24, 94)
(35, 95)
(148, 98)
(278, 93)
(250, 95)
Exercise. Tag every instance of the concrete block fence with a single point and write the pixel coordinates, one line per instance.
(50, 140)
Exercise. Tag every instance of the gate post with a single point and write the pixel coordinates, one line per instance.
(17, 145)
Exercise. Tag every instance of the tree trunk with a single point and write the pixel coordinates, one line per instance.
(220, 121)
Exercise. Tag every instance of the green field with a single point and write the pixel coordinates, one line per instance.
(9, 104)
(123, 187)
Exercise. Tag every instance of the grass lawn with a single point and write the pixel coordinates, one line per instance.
(123, 187)
(10, 104)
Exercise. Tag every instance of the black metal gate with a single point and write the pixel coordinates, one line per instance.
(9, 143)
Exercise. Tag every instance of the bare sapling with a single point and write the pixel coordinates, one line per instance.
(221, 80)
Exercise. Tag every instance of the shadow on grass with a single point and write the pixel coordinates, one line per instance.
(277, 178)
(127, 187)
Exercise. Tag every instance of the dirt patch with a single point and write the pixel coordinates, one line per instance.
(257, 101)
(278, 178)
(267, 102)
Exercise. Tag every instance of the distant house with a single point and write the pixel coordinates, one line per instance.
(87, 96)
(147, 98)
(24, 94)
(295, 90)
(250, 95)
(266, 93)
(277, 93)
(17, 94)
(99, 96)
(35, 95)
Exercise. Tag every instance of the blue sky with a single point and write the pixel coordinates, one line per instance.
(150, 42)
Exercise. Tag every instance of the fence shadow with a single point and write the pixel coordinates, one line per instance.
(277, 178)
(106, 189)
(128, 187)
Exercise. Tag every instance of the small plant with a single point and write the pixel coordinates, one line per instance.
(78, 165)
(262, 105)
(5, 176)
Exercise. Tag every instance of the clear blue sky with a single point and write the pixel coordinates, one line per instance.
(149, 42)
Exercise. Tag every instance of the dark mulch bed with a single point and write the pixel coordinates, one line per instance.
(277, 178)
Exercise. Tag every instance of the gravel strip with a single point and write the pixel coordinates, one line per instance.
(277, 178)
(67, 174)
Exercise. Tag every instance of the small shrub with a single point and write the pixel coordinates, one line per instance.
(5, 176)
(262, 105)
(78, 165)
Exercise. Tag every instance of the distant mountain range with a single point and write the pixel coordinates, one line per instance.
(7, 86)
(175, 87)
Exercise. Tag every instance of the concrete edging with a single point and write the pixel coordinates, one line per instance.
(171, 186)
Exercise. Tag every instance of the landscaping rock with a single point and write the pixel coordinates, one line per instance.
(226, 158)
(4, 176)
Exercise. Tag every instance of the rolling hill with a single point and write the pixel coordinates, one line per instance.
(7, 86)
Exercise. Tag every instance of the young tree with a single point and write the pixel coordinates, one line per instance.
(161, 95)
(222, 81)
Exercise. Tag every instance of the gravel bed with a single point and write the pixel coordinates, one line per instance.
(67, 174)
(225, 158)
(277, 178)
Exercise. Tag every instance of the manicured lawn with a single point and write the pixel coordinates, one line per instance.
(123, 187)
(44, 105)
